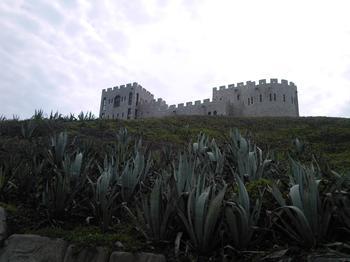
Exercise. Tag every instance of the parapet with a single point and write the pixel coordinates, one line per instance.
(188, 103)
(252, 84)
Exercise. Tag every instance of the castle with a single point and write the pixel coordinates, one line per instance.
(272, 98)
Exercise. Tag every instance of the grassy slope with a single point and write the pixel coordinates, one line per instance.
(327, 138)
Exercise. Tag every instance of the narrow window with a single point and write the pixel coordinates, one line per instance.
(137, 98)
(248, 101)
(130, 98)
(270, 97)
(238, 97)
(284, 98)
(117, 101)
(252, 100)
(260, 98)
(215, 113)
(123, 115)
(104, 104)
(209, 113)
(117, 115)
(292, 100)
(129, 113)
(274, 97)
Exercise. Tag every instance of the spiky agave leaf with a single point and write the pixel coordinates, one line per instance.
(310, 217)
(239, 217)
(211, 221)
(202, 216)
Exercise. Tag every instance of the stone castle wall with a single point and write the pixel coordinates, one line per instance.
(252, 99)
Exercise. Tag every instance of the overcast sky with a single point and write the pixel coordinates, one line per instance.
(59, 55)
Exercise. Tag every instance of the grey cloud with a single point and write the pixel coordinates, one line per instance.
(134, 12)
(44, 11)
(117, 40)
(73, 28)
(345, 109)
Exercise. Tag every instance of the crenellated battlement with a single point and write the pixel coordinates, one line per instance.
(196, 103)
(270, 97)
(250, 84)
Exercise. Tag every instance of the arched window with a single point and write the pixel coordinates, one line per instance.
(238, 97)
(274, 97)
(215, 113)
(130, 98)
(117, 101)
(260, 98)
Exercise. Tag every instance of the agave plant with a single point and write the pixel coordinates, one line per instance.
(121, 151)
(201, 145)
(157, 209)
(38, 115)
(184, 174)
(217, 158)
(240, 219)
(27, 129)
(309, 216)
(58, 149)
(62, 187)
(248, 158)
(55, 116)
(6, 182)
(202, 215)
(135, 170)
(105, 194)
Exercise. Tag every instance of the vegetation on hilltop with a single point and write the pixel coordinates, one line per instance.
(183, 186)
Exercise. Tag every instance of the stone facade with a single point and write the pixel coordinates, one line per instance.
(249, 99)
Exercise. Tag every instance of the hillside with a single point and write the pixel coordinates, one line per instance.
(215, 186)
(327, 138)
